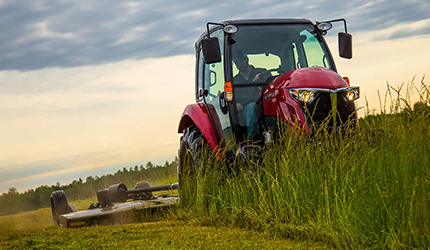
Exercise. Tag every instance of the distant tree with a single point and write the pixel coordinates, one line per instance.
(149, 165)
(30, 200)
(12, 191)
(44, 195)
(57, 186)
(89, 179)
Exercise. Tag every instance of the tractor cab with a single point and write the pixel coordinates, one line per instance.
(251, 73)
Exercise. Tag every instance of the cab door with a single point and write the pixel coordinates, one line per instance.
(213, 80)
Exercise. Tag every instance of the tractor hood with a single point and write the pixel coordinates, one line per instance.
(314, 77)
(325, 91)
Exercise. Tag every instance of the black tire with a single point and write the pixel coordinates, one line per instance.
(248, 157)
(189, 157)
(144, 184)
(59, 206)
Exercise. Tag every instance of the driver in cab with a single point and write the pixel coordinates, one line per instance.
(248, 73)
(247, 97)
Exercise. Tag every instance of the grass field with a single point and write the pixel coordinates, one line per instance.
(366, 189)
(39, 219)
(151, 235)
(35, 230)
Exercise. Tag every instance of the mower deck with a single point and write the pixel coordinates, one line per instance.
(112, 206)
(118, 213)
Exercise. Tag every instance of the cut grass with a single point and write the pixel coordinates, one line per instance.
(150, 235)
(38, 219)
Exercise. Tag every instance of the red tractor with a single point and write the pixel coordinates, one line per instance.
(252, 75)
(283, 73)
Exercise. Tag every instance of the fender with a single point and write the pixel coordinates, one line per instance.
(198, 115)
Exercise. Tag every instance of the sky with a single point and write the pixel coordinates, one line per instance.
(90, 87)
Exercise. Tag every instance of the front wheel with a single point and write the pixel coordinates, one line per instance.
(248, 157)
(189, 157)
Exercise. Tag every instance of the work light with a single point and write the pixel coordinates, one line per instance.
(352, 94)
(303, 95)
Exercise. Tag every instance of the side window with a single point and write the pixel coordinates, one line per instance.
(199, 81)
(314, 53)
(309, 52)
(214, 81)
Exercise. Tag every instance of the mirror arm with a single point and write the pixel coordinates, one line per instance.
(337, 20)
(207, 27)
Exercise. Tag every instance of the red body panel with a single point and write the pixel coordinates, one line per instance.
(277, 101)
(282, 105)
(314, 77)
(198, 115)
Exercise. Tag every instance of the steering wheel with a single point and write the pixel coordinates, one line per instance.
(270, 76)
(277, 70)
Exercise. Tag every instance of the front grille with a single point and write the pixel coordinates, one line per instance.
(319, 110)
(320, 113)
(345, 108)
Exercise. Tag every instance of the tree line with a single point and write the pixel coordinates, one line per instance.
(14, 202)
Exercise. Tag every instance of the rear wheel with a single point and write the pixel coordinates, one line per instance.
(59, 205)
(190, 157)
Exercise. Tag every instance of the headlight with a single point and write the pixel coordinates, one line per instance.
(352, 93)
(303, 95)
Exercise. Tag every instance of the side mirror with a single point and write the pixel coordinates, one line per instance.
(345, 45)
(211, 51)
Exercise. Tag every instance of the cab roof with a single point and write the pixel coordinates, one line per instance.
(255, 22)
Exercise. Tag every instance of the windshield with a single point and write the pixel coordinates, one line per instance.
(271, 50)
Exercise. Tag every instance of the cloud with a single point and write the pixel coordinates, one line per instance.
(49, 34)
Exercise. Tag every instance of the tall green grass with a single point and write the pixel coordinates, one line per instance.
(366, 189)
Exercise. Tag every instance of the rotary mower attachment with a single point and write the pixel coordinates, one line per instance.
(112, 206)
